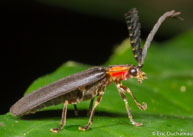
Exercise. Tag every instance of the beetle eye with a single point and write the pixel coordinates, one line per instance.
(133, 71)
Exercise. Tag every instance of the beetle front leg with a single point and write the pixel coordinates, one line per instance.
(92, 113)
(121, 92)
(63, 121)
(143, 106)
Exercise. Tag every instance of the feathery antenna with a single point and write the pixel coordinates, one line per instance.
(133, 25)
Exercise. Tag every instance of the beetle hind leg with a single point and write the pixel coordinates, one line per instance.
(92, 113)
(63, 121)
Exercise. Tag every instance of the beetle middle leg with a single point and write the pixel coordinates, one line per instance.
(121, 92)
(75, 110)
(63, 121)
(90, 107)
(92, 112)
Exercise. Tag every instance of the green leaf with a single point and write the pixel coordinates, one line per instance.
(168, 92)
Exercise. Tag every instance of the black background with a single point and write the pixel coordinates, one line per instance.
(36, 39)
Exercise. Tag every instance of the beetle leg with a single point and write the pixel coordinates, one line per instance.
(90, 107)
(75, 110)
(92, 112)
(63, 121)
(121, 92)
(143, 106)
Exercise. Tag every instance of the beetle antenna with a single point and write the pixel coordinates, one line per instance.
(171, 13)
(134, 26)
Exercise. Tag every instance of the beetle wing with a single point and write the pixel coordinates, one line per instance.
(56, 89)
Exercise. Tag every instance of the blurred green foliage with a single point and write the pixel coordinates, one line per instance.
(168, 92)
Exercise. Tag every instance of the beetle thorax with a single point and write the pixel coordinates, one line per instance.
(118, 73)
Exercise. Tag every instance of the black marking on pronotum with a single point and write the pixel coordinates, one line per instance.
(92, 82)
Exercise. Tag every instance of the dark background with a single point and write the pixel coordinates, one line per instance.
(37, 38)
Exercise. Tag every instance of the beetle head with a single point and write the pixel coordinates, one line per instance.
(135, 72)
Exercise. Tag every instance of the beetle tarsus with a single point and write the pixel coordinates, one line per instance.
(83, 128)
(144, 106)
(54, 130)
(137, 124)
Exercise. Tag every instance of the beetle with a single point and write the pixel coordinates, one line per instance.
(90, 83)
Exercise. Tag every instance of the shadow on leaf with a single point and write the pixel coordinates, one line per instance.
(56, 114)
